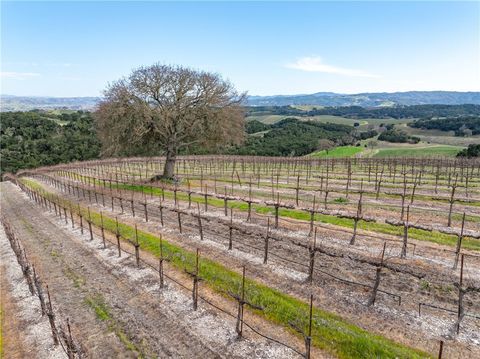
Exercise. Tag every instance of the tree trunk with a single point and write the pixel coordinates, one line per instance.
(169, 168)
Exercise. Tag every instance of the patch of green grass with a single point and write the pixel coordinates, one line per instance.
(76, 279)
(425, 284)
(97, 303)
(102, 312)
(329, 332)
(448, 151)
(342, 151)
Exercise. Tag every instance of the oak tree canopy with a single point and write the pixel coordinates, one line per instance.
(162, 109)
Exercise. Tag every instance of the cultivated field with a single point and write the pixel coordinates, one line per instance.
(252, 257)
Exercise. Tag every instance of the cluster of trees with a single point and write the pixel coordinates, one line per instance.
(462, 126)
(357, 112)
(366, 134)
(33, 139)
(470, 151)
(397, 136)
(292, 137)
(255, 126)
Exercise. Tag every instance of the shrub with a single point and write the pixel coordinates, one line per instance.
(470, 151)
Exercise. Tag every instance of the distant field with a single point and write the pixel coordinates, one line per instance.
(448, 151)
(441, 137)
(343, 151)
(270, 119)
(267, 119)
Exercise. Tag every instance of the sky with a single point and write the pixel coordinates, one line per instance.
(70, 49)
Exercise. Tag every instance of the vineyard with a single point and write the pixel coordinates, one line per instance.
(252, 256)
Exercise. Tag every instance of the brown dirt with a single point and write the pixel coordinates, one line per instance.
(12, 336)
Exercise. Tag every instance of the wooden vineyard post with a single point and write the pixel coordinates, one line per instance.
(206, 198)
(90, 224)
(378, 185)
(461, 293)
(297, 189)
(249, 202)
(137, 247)
(230, 231)
(117, 234)
(349, 178)
(311, 252)
(199, 218)
(160, 207)
(70, 345)
(241, 303)
(103, 230)
(189, 195)
(179, 219)
(373, 296)
(145, 210)
(440, 350)
(404, 193)
(160, 264)
(265, 253)
(120, 198)
(111, 197)
(437, 174)
(81, 218)
(308, 338)
(452, 200)
(132, 206)
(326, 192)
(196, 279)
(51, 319)
(358, 216)
(277, 205)
(225, 202)
(312, 216)
(405, 235)
(459, 243)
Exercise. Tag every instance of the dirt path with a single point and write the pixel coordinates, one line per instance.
(114, 307)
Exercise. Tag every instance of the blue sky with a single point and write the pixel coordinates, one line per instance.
(75, 49)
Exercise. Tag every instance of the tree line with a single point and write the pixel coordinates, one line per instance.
(461, 126)
(358, 112)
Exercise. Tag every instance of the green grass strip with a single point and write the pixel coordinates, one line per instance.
(329, 332)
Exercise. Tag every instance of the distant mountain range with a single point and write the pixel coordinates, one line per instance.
(26, 103)
(369, 99)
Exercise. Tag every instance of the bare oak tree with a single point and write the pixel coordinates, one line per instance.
(163, 109)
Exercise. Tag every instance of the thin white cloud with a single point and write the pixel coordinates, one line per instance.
(316, 64)
(18, 75)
